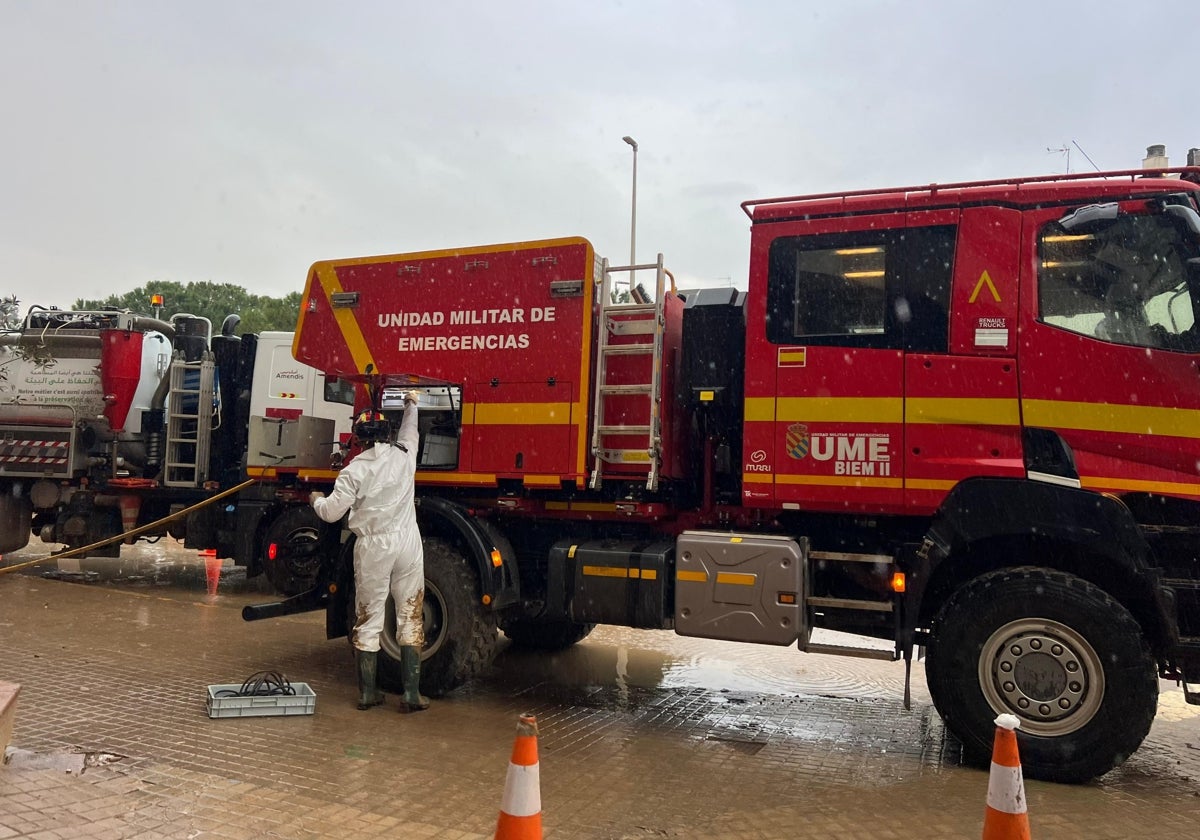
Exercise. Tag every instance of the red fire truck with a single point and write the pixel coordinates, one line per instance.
(961, 418)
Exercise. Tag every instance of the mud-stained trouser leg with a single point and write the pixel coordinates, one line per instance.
(372, 577)
(407, 587)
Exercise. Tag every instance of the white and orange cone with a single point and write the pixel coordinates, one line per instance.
(1006, 816)
(130, 505)
(521, 808)
(212, 569)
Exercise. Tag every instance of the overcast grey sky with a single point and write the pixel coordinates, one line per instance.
(149, 140)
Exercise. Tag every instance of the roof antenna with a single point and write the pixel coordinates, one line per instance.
(1062, 150)
(1085, 154)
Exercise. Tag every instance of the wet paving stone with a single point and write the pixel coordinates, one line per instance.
(642, 735)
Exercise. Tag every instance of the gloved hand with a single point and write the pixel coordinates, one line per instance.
(314, 495)
(411, 397)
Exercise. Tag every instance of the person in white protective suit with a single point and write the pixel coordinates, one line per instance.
(376, 488)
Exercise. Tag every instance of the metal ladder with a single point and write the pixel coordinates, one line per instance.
(642, 319)
(189, 421)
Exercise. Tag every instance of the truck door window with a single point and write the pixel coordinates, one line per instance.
(339, 390)
(1121, 279)
(885, 289)
(923, 307)
(825, 288)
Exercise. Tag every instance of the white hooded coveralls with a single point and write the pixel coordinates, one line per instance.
(377, 489)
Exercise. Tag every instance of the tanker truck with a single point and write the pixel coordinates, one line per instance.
(961, 419)
(111, 420)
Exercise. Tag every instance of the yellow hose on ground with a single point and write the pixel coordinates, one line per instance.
(134, 533)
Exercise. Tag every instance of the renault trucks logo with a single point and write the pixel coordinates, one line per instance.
(797, 440)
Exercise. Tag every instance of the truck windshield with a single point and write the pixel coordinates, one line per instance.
(1121, 277)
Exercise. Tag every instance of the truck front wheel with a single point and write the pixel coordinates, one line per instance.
(460, 632)
(1054, 650)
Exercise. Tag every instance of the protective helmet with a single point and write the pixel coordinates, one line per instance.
(371, 427)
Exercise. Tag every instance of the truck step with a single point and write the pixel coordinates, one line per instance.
(638, 327)
(1181, 583)
(629, 349)
(630, 309)
(625, 430)
(624, 456)
(850, 604)
(625, 389)
(847, 557)
(847, 650)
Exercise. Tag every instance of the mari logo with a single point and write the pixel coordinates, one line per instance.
(797, 441)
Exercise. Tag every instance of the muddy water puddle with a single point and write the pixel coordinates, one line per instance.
(747, 698)
(164, 564)
(659, 659)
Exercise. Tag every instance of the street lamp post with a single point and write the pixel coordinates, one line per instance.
(632, 214)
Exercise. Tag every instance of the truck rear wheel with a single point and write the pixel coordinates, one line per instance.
(538, 634)
(460, 632)
(293, 547)
(1054, 650)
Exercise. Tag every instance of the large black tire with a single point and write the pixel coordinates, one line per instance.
(460, 632)
(1054, 650)
(537, 634)
(300, 541)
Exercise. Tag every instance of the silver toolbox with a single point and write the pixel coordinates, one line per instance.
(305, 442)
(740, 587)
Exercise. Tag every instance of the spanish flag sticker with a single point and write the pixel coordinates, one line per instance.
(792, 356)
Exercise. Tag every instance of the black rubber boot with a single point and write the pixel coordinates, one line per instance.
(368, 694)
(410, 665)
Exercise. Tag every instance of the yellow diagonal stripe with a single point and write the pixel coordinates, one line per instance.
(346, 321)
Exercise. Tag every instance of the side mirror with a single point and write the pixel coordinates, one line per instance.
(1186, 217)
(1193, 271)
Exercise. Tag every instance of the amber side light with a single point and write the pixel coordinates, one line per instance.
(898, 582)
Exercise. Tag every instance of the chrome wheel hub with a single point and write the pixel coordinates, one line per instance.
(1043, 672)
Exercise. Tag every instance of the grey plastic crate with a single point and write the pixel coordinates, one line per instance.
(303, 702)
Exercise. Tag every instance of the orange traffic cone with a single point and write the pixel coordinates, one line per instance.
(1006, 817)
(521, 807)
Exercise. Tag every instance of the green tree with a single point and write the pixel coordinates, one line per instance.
(209, 300)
